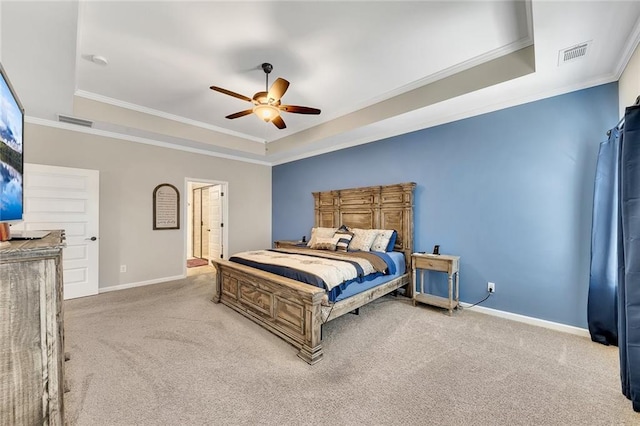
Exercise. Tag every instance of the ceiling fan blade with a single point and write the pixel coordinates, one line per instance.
(299, 109)
(239, 114)
(279, 122)
(277, 89)
(230, 93)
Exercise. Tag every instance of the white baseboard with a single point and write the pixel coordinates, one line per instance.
(140, 283)
(583, 332)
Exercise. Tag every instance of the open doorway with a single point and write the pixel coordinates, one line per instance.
(206, 230)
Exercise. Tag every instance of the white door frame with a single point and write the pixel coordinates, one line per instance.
(225, 217)
(220, 202)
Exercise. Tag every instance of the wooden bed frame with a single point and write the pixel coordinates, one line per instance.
(296, 311)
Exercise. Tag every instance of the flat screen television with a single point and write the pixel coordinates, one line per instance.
(11, 152)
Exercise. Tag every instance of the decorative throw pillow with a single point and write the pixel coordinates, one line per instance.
(320, 232)
(324, 243)
(392, 241)
(344, 236)
(382, 240)
(362, 239)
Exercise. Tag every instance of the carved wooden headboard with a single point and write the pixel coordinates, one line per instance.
(371, 207)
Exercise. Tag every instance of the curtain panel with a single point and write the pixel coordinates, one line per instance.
(629, 248)
(602, 308)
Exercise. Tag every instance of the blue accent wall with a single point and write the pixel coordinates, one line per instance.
(510, 192)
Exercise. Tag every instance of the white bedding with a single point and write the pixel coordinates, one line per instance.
(331, 268)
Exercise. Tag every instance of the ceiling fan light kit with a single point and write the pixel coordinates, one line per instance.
(267, 112)
(267, 104)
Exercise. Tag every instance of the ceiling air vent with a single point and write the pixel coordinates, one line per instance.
(573, 53)
(74, 120)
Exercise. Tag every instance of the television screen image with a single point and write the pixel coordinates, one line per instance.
(11, 152)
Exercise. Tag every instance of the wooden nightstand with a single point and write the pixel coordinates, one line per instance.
(440, 263)
(289, 244)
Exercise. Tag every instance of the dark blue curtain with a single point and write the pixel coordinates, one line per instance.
(614, 282)
(602, 308)
(629, 255)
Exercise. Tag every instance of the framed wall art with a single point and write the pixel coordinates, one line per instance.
(166, 207)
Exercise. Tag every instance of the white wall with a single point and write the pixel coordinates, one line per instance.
(128, 174)
(629, 83)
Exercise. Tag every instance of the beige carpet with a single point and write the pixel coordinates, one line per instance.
(165, 354)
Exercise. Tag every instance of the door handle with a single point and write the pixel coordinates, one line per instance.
(92, 239)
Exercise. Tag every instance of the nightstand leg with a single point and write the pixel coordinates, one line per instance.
(458, 288)
(450, 295)
(414, 288)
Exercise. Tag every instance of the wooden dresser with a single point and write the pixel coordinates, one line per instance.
(31, 332)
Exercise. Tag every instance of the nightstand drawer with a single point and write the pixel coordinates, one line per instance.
(432, 264)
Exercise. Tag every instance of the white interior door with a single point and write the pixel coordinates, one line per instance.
(205, 227)
(215, 222)
(67, 198)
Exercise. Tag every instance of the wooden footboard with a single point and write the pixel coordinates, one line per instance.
(286, 307)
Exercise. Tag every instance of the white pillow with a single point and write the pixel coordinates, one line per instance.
(362, 239)
(325, 243)
(322, 233)
(382, 240)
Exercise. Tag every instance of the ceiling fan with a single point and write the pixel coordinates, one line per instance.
(266, 105)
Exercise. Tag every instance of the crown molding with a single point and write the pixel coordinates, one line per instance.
(632, 43)
(162, 114)
(526, 41)
(508, 103)
(448, 72)
(136, 139)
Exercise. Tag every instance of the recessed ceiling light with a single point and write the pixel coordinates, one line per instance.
(100, 60)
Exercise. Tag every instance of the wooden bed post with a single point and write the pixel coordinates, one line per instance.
(407, 229)
(311, 350)
(217, 289)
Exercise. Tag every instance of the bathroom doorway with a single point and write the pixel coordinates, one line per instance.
(206, 230)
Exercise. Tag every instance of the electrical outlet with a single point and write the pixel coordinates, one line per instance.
(491, 287)
(123, 268)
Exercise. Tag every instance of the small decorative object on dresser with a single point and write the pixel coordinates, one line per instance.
(31, 335)
(440, 263)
